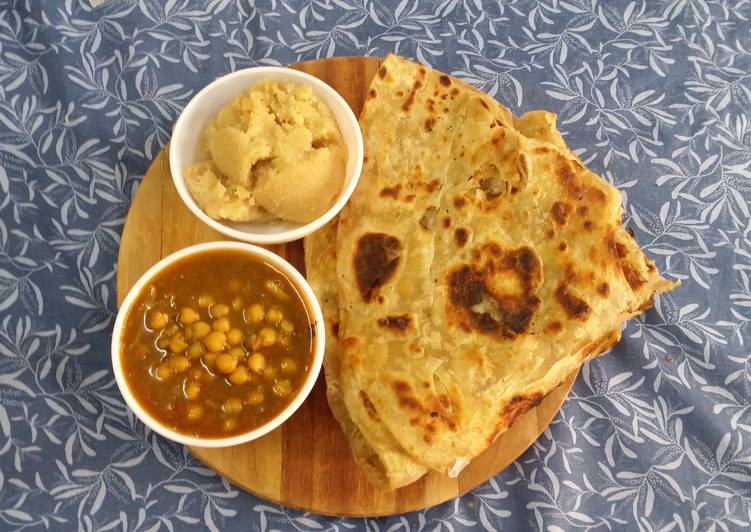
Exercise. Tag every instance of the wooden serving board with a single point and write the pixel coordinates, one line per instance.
(306, 463)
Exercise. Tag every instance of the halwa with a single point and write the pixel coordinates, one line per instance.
(274, 152)
(205, 367)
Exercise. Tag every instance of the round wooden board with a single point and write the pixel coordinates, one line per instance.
(306, 463)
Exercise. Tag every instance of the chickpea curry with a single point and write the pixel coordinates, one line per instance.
(217, 344)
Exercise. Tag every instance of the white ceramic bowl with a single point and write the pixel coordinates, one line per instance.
(204, 107)
(316, 319)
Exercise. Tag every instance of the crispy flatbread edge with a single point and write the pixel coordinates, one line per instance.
(322, 277)
(532, 395)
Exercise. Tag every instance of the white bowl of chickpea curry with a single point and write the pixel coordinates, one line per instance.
(218, 344)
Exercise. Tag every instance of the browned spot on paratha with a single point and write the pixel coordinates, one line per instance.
(423, 415)
(375, 261)
(560, 212)
(461, 235)
(603, 289)
(516, 406)
(412, 94)
(491, 183)
(574, 307)
(397, 323)
(391, 192)
(568, 178)
(496, 294)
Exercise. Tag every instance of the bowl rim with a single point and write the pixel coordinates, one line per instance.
(288, 235)
(317, 323)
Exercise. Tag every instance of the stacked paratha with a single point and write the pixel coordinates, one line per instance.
(476, 266)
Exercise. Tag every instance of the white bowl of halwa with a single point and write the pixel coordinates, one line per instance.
(266, 155)
(217, 344)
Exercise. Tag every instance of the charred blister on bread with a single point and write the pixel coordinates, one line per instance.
(375, 262)
(574, 306)
(398, 324)
(429, 415)
(496, 293)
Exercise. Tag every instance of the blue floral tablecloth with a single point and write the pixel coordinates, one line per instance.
(653, 95)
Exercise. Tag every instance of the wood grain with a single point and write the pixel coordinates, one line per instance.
(306, 463)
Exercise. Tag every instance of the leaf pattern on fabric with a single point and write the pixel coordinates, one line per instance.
(654, 96)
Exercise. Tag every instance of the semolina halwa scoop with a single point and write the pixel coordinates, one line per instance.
(274, 152)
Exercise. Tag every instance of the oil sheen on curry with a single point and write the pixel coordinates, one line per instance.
(217, 344)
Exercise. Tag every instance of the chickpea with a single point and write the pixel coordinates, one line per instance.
(234, 285)
(239, 376)
(255, 313)
(214, 341)
(195, 350)
(270, 372)
(209, 360)
(191, 391)
(229, 424)
(196, 374)
(267, 336)
(237, 352)
(171, 329)
(232, 405)
(195, 412)
(287, 326)
(178, 344)
(285, 341)
(236, 303)
(257, 362)
(222, 324)
(157, 320)
(282, 388)
(225, 363)
(200, 329)
(234, 336)
(255, 398)
(163, 372)
(275, 315)
(179, 362)
(219, 310)
(288, 366)
(188, 315)
(205, 300)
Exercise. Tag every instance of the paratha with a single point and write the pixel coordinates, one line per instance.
(478, 263)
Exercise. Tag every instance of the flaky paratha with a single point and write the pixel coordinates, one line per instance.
(478, 263)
